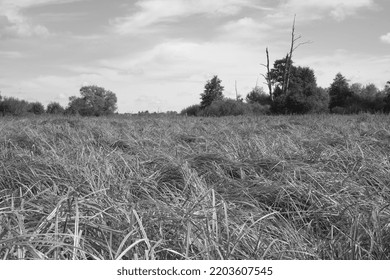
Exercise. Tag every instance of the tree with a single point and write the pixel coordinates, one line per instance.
(386, 93)
(192, 110)
(54, 108)
(339, 92)
(94, 101)
(36, 108)
(268, 77)
(213, 90)
(277, 73)
(280, 77)
(302, 96)
(13, 106)
(258, 95)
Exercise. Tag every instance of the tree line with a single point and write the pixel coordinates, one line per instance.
(301, 97)
(94, 101)
(292, 90)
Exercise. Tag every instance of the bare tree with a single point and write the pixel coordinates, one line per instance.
(293, 47)
(287, 70)
(268, 76)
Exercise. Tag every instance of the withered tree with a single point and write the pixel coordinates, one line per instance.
(287, 70)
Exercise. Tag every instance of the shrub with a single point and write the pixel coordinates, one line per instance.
(225, 107)
(257, 95)
(13, 106)
(36, 108)
(192, 110)
(55, 108)
(338, 110)
(257, 109)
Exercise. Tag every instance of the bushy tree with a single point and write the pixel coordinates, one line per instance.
(258, 95)
(302, 95)
(36, 108)
(54, 108)
(94, 101)
(13, 106)
(213, 90)
(339, 92)
(365, 99)
(278, 72)
(77, 106)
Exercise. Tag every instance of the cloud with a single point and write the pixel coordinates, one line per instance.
(11, 54)
(13, 23)
(245, 28)
(385, 38)
(179, 60)
(314, 9)
(152, 12)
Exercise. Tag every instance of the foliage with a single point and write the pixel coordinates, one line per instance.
(192, 110)
(278, 72)
(213, 90)
(318, 101)
(77, 106)
(257, 109)
(258, 95)
(224, 107)
(94, 101)
(339, 92)
(36, 108)
(303, 95)
(55, 108)
(13, 106)
(386, 94)
(366, 99)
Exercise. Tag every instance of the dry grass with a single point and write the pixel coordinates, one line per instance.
(285, 187)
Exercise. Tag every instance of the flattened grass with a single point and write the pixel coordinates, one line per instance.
(272, 187)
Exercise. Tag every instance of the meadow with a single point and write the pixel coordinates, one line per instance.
(248, 187)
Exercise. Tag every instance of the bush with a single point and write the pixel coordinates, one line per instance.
(257, 95)
(13, 106)
(338, 110)
(257, 109)
(192, 110)
(311, 99)
(318, 101)
(225, 107)
(36, 108)
(55, 108)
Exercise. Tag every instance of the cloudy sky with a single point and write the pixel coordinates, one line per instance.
(156, 55)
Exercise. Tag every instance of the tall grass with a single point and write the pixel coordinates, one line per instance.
(270, 187)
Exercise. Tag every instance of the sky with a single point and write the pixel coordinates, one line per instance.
(157, 55)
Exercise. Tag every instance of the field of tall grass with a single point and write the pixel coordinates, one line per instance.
(267, 187)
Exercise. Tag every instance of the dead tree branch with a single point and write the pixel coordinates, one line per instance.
(293, 47)
(268, 76)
